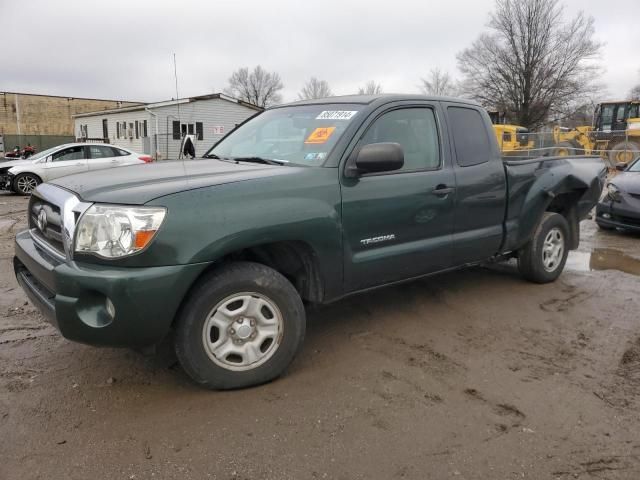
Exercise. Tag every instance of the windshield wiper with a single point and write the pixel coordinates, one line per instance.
(211, 155)
(266, 161)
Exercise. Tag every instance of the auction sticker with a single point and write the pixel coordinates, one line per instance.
(315, 156)
(336, 115)
(320, 135)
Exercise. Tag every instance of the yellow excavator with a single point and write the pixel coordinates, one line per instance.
(615, 134)
(512, 139)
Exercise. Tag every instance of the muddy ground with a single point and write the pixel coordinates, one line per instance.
(469, 375)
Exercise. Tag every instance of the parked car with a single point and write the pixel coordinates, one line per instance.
(307, 202)
(620, 207)
(22, 176)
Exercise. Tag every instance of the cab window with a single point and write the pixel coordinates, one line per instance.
(415, 130)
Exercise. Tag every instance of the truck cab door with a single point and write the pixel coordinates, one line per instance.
(398, 224)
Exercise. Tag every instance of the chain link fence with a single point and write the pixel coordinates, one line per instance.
(613, 146)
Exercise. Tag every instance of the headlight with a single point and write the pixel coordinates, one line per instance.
(613, 192)
(112, 231)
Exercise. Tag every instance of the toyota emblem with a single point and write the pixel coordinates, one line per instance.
(42, 220)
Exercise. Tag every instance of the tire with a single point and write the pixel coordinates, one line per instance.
(223, 329)
(564, 149)
(536, 262)
(623, 152)
(25, 183)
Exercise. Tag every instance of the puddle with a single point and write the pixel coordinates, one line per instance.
(603, 259)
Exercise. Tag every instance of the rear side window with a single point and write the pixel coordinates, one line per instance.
(469, 136)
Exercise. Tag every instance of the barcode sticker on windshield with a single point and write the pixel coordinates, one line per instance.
(336, 115)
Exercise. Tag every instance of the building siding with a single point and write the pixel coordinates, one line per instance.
(212, 113)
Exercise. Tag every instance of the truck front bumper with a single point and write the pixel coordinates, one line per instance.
(102, 305)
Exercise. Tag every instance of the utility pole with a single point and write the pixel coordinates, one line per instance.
(17, 114)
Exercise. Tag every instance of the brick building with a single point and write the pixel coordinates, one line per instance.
(31, 114)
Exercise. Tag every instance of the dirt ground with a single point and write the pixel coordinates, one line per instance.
(470, 375)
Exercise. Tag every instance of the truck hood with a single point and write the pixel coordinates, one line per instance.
(139, 184)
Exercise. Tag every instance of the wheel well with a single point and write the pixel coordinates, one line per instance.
(295, 260)
(565, 205)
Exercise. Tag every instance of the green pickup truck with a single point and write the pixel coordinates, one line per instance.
(304, 203)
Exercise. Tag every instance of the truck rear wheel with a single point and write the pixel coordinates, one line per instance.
(542, 259)
(241, 325)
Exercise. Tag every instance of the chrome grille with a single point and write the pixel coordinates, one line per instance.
(53, 213)
(49, 230)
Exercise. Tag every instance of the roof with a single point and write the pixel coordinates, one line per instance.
(607, 102)
(167, 103)
(382, 98)
(68, 97)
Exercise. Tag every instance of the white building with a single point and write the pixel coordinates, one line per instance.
(157, 128)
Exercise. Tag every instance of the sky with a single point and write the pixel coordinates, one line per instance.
(124, 49)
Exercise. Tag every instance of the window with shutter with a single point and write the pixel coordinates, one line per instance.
(176, 130)
(190, 128)
(137, 129)
(117, 129)
(145, 129)
(199, 131)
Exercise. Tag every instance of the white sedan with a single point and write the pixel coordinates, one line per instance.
(23, 176)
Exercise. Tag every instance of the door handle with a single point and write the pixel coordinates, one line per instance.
(79, 164)
(442, 191)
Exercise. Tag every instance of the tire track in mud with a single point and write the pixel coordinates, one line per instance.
(418, 355)
(504, 416)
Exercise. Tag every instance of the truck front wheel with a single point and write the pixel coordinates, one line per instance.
(543, 258)
(241, 325)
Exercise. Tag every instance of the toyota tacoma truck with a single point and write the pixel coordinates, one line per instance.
(304, 203)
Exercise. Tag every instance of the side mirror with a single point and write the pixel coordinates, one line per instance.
(376, 157)
(621, 166)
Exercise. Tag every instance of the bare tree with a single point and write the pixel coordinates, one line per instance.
(438, 83)
(370, 88)
(258, 87)
(634, 93)
(533, 64)
(315, 88)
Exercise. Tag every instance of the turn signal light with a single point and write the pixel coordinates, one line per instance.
(143, 237)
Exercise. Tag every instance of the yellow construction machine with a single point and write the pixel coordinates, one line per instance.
(615, 134)
(513, 139)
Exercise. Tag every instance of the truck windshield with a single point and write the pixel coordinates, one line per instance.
(300, 135)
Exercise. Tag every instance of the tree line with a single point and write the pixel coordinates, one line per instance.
(534, 63)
